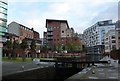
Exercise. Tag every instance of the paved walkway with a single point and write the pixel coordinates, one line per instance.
(99, 72)
(13, 67)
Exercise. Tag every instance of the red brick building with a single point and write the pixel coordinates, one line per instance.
(59, 33)
(22, 31)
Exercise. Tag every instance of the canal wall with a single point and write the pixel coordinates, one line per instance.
(45, 74)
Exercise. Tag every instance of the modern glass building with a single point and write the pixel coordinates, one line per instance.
(3, 22)
(94, 38)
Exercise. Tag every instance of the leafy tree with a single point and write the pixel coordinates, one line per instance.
(59, 48)
(74, 47)
(15, 47)
(33, 47)
(24, 47)
(24, 44)
(9, 47)
(9, 44)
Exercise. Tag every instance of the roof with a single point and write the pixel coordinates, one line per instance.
(25, 27)
(101, 23)
(48, 20)
(20, 25)
(10, 34)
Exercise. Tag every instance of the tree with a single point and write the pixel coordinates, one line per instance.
(74, 47)
(9, 47)
(24, 47)
(15, 47)
(58, 48)
(33, 47)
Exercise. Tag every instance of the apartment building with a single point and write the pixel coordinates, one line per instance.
(117, 28)
(110, 41)
(36, 35)
(59, 33)
(56, 31)
(20, 30)
(81, 36)
(45, 38)
(23, 32)
(94, 37)
(3, 22)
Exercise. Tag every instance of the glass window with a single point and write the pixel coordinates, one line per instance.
(3, 29)
(2, 23)
(3, 16)
(4, 1)
(0, 50)
(3, 4)
(113, 41)
(2, 10)
(118, 37)
(1, 33)
(113, 37)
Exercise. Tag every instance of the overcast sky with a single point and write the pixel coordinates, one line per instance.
(80, 14)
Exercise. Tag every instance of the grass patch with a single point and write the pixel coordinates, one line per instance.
(47, 58)
(18, 59)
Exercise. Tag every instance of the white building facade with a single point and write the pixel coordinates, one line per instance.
(94, 36)
(117, 34)
(110, 41)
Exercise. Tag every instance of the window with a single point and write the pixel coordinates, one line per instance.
(102, 42)
(113, 41)
(113, 37)
(21, 33)
(118, 37)
(113, 47)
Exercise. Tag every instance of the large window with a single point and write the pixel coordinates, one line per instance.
(2, 4)
(113, 37)
(4, 1)
(2, 23)
(2, 29)
(3, 16)
(113, 41)
(62, 31)
(118, 37)
(3, 10)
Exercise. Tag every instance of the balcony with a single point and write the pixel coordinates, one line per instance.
(49, 38)
(49, 30)
(50, 34)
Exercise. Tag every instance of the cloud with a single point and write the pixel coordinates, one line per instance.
(79, 13)
(111, 12)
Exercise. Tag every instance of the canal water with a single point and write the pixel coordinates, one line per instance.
(64, 73)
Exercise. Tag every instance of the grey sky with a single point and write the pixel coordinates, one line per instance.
(80, 14)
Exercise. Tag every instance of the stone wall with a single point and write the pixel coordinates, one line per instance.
(47, 73)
